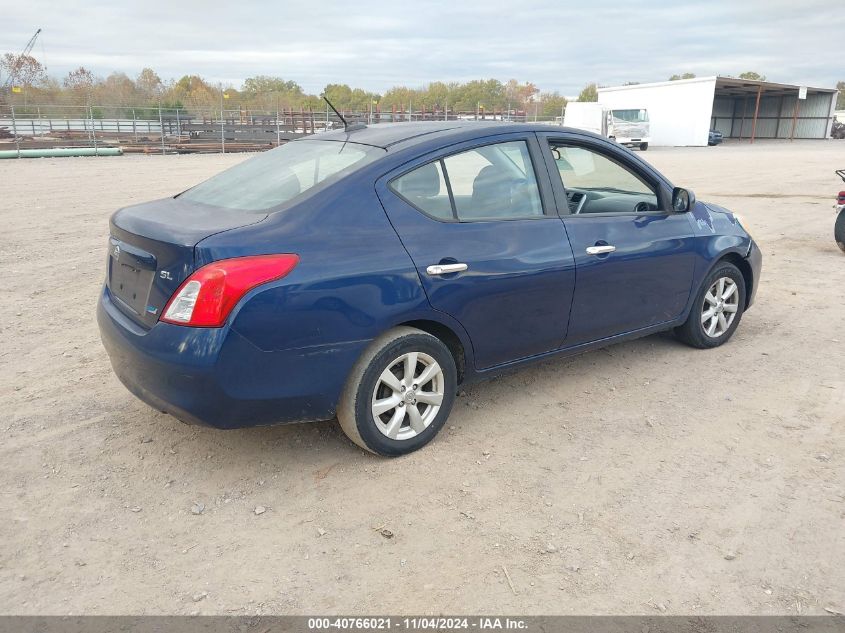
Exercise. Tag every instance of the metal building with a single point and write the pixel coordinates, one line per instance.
(683, 112)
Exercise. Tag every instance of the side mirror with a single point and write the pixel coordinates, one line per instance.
(682, 199)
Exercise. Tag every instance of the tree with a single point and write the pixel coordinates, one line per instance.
(589, 93)
(398, 97)
(552, 104)
(520, 95)
(79, 80)
(263, 84)
(24, 70)
(340, 96)
(840, 98)
(488, 94)
(752, 76)
(79, 84)
(683, 76)
(269, 93)
(436, 95)
(117, 88)
(194, 91)
(148, 82)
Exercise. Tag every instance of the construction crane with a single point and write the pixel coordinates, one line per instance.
(12, 74)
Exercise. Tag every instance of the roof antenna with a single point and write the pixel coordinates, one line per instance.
(346, 125)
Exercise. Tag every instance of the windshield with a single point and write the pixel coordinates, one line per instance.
(282, 174)
(632, 116)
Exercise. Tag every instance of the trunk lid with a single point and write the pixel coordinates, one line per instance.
(151, 250)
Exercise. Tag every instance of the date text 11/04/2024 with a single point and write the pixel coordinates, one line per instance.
(417, 623)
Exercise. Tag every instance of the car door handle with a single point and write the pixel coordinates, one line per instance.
(445, 269)
(600, 250)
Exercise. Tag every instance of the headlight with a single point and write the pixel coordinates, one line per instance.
(742, 222)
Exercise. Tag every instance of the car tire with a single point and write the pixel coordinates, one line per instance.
(380, 379)
(643, 147)
(715, 314)
(839, 230)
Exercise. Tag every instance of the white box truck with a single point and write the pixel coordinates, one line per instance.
(628, 127)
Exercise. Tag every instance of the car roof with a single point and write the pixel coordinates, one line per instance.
(388, 135)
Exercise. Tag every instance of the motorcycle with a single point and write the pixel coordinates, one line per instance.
(839, 227)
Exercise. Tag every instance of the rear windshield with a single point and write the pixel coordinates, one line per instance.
(282, 174)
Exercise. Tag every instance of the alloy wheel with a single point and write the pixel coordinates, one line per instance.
(408, 395)
(721, 303)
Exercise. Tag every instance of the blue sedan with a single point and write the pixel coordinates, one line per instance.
(364, 274)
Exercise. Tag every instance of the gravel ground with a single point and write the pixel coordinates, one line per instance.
(644, 478)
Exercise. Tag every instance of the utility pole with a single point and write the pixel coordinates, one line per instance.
(222, 122)
(161, 125)
(15, 132)
(278, 129)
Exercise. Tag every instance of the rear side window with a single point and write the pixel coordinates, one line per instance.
(493, 182)
(282, 174)
(426, 189)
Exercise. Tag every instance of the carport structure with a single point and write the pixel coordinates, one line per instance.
(762, 109)
(683, 112)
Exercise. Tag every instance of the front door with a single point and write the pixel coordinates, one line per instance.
(634, 256)
(480, 225)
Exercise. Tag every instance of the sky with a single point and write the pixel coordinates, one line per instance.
(556, 44)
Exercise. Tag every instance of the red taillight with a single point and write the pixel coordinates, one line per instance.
(206, 298)
(841, 197)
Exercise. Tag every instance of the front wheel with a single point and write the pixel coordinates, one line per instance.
(643, 147)
(839, 230)
(399, 393)
(717, 309)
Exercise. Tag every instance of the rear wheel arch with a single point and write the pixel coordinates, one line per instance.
(449, 338)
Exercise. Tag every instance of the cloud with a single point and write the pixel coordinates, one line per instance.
(375, 45)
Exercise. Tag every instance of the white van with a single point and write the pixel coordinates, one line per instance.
(629, 127)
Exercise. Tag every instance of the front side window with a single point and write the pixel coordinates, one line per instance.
(280, 175)
(596, 184)
(493, 182)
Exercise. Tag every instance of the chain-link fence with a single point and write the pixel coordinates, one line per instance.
(190, 130)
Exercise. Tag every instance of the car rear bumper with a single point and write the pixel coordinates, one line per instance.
(755, 260)
(216, 377)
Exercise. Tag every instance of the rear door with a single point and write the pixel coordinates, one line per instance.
(480, 224)
(634, 255)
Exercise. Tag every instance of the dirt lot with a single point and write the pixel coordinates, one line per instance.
(644, 478)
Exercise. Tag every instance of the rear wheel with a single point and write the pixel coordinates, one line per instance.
(643, 146)
(717, 309)
(400, 392)
(839, 230)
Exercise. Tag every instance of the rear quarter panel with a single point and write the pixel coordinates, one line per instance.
(353, 278)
